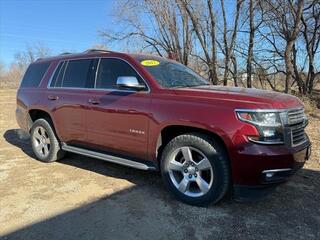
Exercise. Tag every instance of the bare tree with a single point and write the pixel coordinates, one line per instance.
(201, 29)
(291, 38)
(228, 46)
(167, 32)
(32, 53)
(255, 18)
(311, 34)
(250, 49)
(267, 40)
(99, 46)
(2, 68)
(284, 18)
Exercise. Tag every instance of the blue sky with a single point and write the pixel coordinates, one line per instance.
(61, 25)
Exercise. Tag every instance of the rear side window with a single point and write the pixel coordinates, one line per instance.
(110, 69)
(34, 74)
(79, 73)
(58, 75)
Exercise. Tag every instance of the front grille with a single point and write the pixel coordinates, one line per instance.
(297, 122)
(296, 116)
(298, 136)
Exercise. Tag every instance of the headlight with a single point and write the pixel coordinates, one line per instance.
(268, 124)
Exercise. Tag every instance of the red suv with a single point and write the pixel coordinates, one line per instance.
(152, 113)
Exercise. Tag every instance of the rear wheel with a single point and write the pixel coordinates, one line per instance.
(44, 142)
(195, 169)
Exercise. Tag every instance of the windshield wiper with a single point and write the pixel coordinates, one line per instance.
(182, 86)
(207, 84)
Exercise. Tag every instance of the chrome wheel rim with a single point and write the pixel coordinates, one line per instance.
(41, 141)
(190, 171)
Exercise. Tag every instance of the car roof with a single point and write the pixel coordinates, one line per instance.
(92, 53)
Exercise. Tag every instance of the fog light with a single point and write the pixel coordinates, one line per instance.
(268, 133)
(269, 174)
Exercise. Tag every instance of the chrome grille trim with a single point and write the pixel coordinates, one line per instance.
(296, 116)
(297, 121)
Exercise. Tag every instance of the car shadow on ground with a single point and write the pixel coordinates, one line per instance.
(19, 139)
(147, 211)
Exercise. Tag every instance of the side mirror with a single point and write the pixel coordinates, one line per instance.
(129, 82)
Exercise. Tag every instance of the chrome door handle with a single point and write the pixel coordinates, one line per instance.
(93, 101)
(52, 98)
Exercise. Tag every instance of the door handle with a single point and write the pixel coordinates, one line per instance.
(132, 111)
(93, 101)
(52, 98)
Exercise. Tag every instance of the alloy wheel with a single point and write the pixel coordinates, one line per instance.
(41, 141)
(190, 171)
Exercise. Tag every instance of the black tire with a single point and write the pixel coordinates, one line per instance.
(54, 150)
(219, 162)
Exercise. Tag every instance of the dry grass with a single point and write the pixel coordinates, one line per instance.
(313, 128)
(11, 78)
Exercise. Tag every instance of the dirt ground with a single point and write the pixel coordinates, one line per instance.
(84, 198)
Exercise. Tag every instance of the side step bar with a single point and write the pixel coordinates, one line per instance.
(107, 157)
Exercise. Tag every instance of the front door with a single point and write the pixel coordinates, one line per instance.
(117, 119)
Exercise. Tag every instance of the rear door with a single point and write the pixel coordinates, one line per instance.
(67, 98)
(118, 119)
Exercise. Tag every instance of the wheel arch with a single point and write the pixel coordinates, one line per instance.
(168, 132)
(37, 113)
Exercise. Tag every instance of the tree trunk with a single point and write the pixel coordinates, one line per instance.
(300, 83)
(290, 42)
(311, 78)
(226, 70)
(289, 66)
(235, 71)
(250, 49)
(213, 43)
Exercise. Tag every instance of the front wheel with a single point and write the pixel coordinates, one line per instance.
(195, 169)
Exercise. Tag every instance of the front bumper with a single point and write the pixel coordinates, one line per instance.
(255, 164)
(260, 168)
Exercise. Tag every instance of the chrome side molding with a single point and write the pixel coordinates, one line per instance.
(277, 170)
(107, 157)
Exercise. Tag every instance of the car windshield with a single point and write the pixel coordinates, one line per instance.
(170, 74)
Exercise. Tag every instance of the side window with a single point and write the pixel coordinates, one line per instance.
(58, 82)
(34, 74)
(79, 73)
(110, 69)
(58, 75)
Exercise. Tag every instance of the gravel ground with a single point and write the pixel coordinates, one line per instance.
(84, 198)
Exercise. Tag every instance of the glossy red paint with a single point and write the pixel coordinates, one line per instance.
(111, 124)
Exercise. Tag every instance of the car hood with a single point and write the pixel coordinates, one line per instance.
(243, 96)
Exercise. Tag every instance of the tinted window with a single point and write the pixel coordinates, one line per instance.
(58, 74)
(61, 73)
(79, 73)
(170, 74)
(34, 74)
(110, 69)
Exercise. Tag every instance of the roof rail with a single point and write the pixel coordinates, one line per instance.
(96, 50)
(65, 53)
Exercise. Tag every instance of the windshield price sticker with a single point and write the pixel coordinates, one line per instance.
(150, 63)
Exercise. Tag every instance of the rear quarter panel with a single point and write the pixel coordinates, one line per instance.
(29, 98)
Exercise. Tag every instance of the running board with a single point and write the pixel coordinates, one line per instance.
(107, 157)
